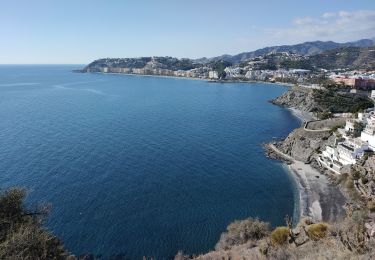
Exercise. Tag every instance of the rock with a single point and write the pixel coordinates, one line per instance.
(302, 144)
(299, 98)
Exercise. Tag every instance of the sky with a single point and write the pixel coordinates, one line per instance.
(79, 31)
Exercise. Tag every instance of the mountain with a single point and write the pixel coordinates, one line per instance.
(306, 48)
(317, 54)
(345, 57)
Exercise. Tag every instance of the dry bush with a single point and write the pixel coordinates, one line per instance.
(239, 232)
(353, 234)
(279, 236)
(371, 206)
(21, 233)
(317, 231)
(31, 242)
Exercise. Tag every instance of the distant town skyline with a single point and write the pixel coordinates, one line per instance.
(77, 32)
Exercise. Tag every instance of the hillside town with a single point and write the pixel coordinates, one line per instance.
(275, 67)
(352, 143)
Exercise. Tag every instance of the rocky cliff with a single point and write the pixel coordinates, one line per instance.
(323, 102)
(296, 97)
(302, 145)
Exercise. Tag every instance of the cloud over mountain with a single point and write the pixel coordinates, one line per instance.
(337, 26)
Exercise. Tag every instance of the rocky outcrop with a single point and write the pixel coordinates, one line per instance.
(299, 98)
(302, 145)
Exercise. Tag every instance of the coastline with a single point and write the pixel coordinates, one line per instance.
(191, 78)
(303, 116)
(318, 198)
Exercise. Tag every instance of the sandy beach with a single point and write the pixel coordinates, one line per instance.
(302, 115)
(319, 198)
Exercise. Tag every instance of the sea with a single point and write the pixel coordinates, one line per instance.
(142, 166)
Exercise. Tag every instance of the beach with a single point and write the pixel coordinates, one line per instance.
(319, 198)
(304, 116)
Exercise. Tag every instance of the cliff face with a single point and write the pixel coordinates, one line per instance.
(302, 145)
(299, 98)
(323, 101)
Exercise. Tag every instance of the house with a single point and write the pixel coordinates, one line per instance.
(368, 134)
(355, 82)
(213, 74)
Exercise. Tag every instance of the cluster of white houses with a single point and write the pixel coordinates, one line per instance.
(348, 149)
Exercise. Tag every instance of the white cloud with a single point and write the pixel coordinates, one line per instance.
(341, 26)
(328, 15)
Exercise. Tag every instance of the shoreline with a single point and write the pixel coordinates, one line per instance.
(303, 116)
(318, 198)
(191, 78)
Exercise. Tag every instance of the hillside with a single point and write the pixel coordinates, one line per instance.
(345, 57)
(142, 62)
(328, 55)
(306, 48)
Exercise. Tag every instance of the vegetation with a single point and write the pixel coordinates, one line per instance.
(239, 232)
(317, 231)
(306, 48)
(138, 63)
(340, 102)
(371, 206)
(347, 239)
(345, 57)
(280, 236)
(324, 115)
(219, 66)
(358, 128)
(21, 233)
(296, 64)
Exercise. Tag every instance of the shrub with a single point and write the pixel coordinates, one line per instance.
(239, 232)
(356, 175)
(317, 231)
(371, 206)
(279, 236)
(21, 234)
(31, 242)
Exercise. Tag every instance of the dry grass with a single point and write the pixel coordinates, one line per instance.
(239, 232)
(317, 231)
(279, 236)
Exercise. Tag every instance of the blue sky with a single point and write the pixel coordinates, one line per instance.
(79, 31)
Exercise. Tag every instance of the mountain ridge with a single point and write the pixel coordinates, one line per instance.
(305, 48)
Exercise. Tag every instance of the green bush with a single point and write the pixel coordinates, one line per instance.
(356, 175)
(317, 231)
(279, 236)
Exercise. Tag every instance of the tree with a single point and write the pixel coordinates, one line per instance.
(21, 233)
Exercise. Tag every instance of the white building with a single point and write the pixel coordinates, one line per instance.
(349, 126)
(233, 72)
(368, 134)
(213, 74)
(347, 152)
(373, 94)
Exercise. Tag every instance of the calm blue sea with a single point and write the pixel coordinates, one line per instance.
(142, 166)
